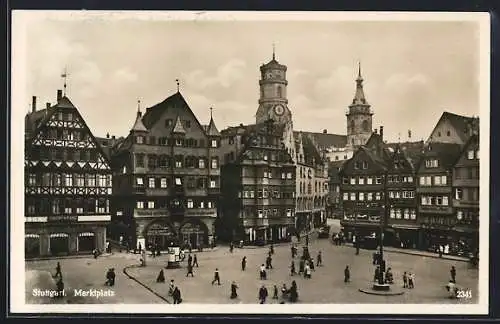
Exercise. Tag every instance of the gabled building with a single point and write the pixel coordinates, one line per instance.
(454, 129)
(68, 182)
(258, 185)
(334, 199)
(363, 186)
(167, 177)
(434, 192)
(402, 197)
(466, 196)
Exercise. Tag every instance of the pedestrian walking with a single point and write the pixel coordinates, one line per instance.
(292, 268)
(171, 288)
(195, 260)
(441, 250)
(271, 249)
(319, 260)
(243, 263)
(110, 277)
(293, 292)
(231, 247)
(453, 273)
(190, 270)
(275, 292)
(161, 277)
(452, 289)
(234, 287)
(95, 252)
(307, 271)
(293, 250)
(284, 292)
(263, 274)
(269, 261)
(58, 270)
(139, 248)
(411, 280)
(405, 280)
(190, 259)
(301, 266)
(216, 277)
(263, 294)
(177, 295)
(347, 274)
(311, 264)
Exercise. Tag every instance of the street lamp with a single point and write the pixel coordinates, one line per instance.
(383, 221)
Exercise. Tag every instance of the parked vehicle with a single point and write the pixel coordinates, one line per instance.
(324, 232)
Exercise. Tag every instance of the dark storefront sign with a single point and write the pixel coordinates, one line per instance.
(63, 219)
(160, 229)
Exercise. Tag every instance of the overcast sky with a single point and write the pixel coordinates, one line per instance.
(413, 71)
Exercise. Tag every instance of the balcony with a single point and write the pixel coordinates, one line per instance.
(139, 190)
(255, 222)
(434, 189)
(158, 212)
(214, 191)
(200, 212)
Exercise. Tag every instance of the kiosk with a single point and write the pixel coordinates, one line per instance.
(175, 257)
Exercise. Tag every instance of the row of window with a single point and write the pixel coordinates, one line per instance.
(440, 180)
(473, 154)
(64, 154)
(362, 180)
(191, 182)
(69, 180)
(399, 179)
(434, 200)
(265, 213)
(305, 173)
(56, 206)
(317, 188)
(405, 213)
(180, 142)
(402, 194)
(362, 196)
(179, 161)
(190, 203)
(264, 193)
(65, 134)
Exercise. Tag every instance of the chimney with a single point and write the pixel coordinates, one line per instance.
(382, 132)
(324, 131)
(47, 105)
(375, 131)
(107, 135)
(59, 95)
(113, 137)
(33, 104)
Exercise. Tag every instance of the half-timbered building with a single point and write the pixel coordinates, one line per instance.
(68, 182)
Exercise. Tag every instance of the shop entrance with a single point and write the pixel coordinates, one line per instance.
(195, 234)
(160, 234)
(59, 244)
(32, 245)
(86, 242)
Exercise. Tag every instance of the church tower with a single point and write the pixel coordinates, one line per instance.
(359, 116)
(273, 103)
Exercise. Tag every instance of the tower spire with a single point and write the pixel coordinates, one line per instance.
(211, 113)
(359, 96)
(274, 52)
(64, 75)
(360, 78)
(177, 81)
(138, 105)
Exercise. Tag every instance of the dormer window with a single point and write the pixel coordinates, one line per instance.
(139, 139)
(432, 163)
(356, 165)
(365, 165)
(214, 143)
(470, 155)
(168, 122)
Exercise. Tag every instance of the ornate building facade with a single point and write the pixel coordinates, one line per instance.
(167, 177)
(68, 183)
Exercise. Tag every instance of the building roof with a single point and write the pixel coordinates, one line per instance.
(39, 117)
(211, 129)
(325, 140)
(311, 154)
(178, 128)
(359, 95)
(463, 124)
(138, 124)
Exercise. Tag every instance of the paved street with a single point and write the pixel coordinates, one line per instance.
(326, 285)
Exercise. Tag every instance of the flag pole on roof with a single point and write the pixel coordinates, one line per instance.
(64, 75)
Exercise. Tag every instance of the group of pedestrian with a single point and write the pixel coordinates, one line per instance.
(338, 239)
(174, 292)
(59, 282)
(192, 261)
(155, 250)
(290, 294)
(408, 280)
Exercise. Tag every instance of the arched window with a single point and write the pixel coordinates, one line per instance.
(365, 126)
(280, 92)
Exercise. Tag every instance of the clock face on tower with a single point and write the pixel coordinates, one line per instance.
(279, 110)
(269, 75)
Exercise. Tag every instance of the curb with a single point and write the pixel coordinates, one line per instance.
(416, 253)
(140, 283)
(75, 256)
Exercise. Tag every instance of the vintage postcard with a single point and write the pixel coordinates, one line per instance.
(249, 162)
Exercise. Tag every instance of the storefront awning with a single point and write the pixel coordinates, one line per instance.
(406, 227)
(58, 235)
(32, 236)
(86, 234)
